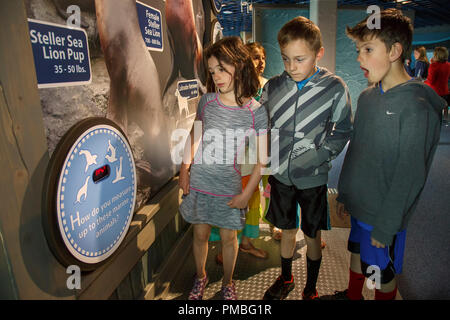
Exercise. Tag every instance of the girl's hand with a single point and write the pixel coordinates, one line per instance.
(240, 201)
(184, 181)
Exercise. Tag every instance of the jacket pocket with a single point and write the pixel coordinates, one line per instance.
(310, 163)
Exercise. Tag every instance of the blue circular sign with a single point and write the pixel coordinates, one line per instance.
(96, 193)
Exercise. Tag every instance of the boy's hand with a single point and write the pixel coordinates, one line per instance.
(240, 201)
(184, 181)
(340, 210)
(377, 244)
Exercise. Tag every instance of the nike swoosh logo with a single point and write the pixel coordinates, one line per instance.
(389, 113)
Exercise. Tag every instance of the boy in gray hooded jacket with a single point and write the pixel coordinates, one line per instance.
(310, 108)
(396, 132)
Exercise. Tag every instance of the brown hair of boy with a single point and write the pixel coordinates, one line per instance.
(301, 28)
(394, 27)
(232, 51)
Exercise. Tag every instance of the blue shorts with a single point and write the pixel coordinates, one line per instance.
(388, 259)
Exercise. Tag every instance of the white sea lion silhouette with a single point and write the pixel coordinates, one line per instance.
(111, 158)
(83, 191)
(90, 159)
(119, 172)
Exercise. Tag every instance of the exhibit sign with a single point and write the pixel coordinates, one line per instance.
(150, 23)
(188, 89)
(61, 54)
(91, 206)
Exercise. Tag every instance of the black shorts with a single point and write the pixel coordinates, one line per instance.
(284, 201)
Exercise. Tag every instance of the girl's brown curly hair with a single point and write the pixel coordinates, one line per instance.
(232, 51)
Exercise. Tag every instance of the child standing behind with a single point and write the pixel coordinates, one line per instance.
(258, 54)
(251, 230)
(421, 67)
(396, 132)
(212, 188)
(438, 75)
(310, 108)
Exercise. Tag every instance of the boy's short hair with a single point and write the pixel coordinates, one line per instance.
(394, 27)
(300, 28)
(440, 54)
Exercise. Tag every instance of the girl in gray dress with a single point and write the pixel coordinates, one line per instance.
(210, 177)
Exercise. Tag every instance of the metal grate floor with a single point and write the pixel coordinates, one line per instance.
(253, 276)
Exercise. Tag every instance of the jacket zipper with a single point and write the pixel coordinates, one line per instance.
(293, 136)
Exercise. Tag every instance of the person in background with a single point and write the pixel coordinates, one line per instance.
(258, 54)
(438, 75)
(421, 66)
(408, 67)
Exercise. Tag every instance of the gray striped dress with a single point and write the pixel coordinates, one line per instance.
(215, 175)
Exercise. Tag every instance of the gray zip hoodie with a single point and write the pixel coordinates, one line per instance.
(314, 125)
(394, 140)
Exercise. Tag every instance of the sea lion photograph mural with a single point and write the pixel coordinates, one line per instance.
(135, 87)
(135, 93)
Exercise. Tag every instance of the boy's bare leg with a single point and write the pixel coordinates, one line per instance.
(285, 282)
(313, 246)
(355, 263)
(288, 241)
(313, 261)
(355, 266)
(200, 248)
(388, 287)
(229, 252)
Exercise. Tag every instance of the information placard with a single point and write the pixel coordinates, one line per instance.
(90, 193)
(188, 89)
(93, 215)
(61, 54)
(150, 24)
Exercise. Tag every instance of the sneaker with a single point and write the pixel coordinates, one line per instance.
(229, 292)
(279, 289)
(338, 295)
(310, 296)
(198, 288)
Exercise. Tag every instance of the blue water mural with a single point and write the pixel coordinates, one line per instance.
(346, 65)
